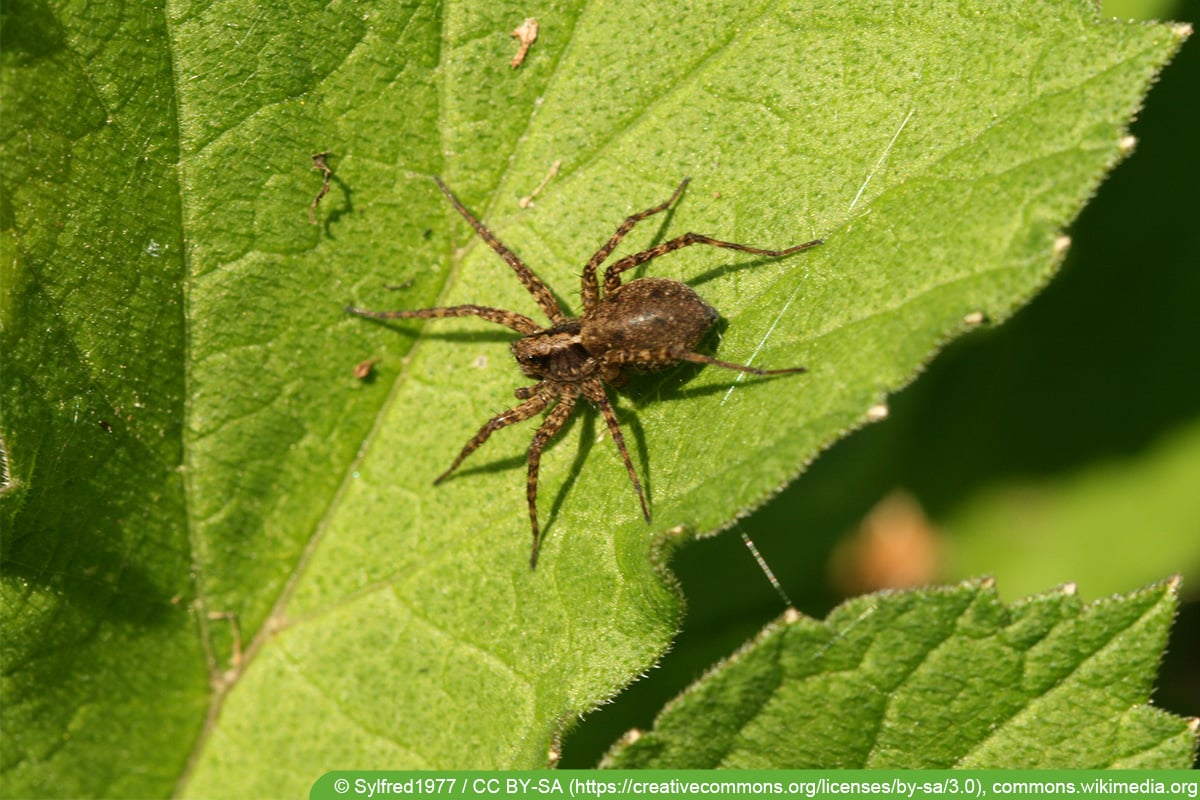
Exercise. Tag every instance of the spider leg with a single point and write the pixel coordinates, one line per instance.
(543, 296)
(595, 392)
(514, 415)
(664, 357)
(591, 291)
(697, 358)
(511, 319)
(612, 275)
(551, 425)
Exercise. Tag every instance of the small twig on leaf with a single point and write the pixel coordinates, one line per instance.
(319, 162)
(526, 202)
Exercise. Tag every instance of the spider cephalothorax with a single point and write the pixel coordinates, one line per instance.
(646, 324)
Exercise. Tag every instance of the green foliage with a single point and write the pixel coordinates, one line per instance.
(933, 679)
(208, 522)
(1081, 396)
(1094, 510)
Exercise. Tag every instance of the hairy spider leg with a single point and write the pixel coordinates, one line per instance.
(551, 425)
(520, 413)
(539, 290)
(612, 275)
(594, 391)
(591, 288)
(616, 358)
(510, 319)
(699, 358)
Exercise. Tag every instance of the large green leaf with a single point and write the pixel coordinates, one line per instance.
(932, 679)
(192, 466)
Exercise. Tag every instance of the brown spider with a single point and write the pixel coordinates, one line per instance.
(646, 324)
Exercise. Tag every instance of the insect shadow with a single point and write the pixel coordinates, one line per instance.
(342, 209)
(646, 324)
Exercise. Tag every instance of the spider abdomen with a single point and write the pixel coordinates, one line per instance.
(650, 316)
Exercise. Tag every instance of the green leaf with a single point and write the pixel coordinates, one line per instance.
(105, 684)
(209, 522)
(1093, 511)
(935, 678)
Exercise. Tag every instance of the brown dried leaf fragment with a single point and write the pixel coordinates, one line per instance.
(363, 369)
(526, 33)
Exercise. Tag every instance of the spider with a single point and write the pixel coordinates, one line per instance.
(646, 324)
